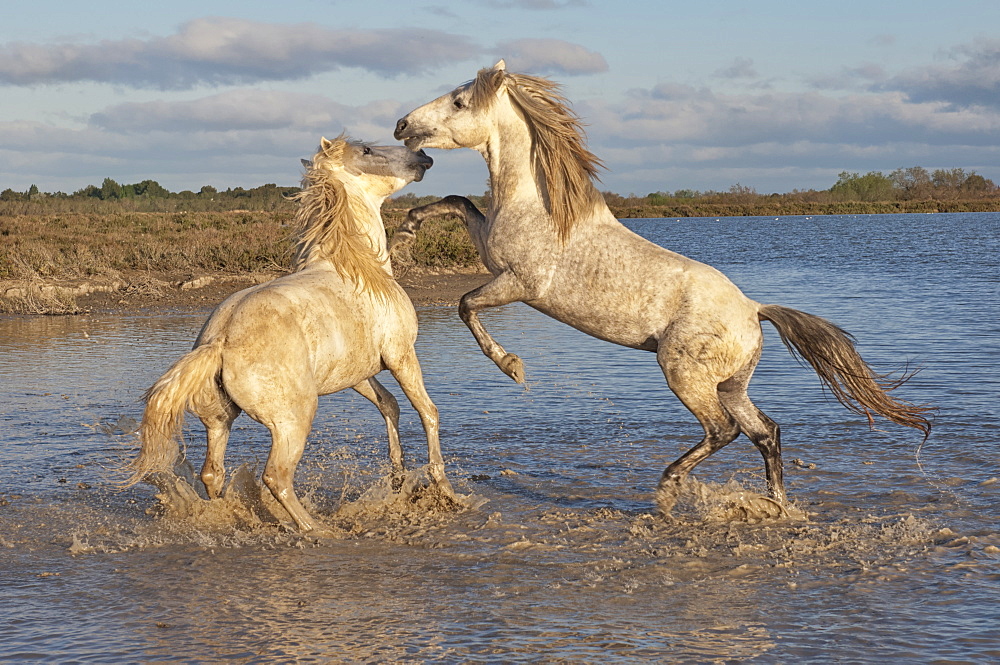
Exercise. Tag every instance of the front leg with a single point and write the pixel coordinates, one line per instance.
(505, 288)
(450, 205)
(387, 405)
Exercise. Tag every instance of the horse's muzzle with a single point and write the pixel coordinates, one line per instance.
(400, 129)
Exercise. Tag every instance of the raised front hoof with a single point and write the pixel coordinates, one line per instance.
(400, 239)
(513, 367)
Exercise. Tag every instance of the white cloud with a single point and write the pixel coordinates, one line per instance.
(673, 136)
(972, 78)
(662, 136)
(244, 109)
(231, 51)
(550, 56)
(669, 113)
(740, 68)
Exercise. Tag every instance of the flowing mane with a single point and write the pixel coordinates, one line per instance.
(327, 224)
(558, 145)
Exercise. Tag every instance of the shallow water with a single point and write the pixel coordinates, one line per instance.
(892, 555)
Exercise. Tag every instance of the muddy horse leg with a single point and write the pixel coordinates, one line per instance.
(698, 393)
(389, 408)
(288, 441)
(764, 432)
(217, 413)
(459, 206)
(406, 370)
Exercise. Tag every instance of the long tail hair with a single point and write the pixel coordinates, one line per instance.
(831, 353)
(166, 402)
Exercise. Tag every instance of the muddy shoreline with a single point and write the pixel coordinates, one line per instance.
(160, 291)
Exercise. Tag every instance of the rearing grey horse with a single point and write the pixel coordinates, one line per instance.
(551, 242)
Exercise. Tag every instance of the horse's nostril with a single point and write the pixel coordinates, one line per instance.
(400, 128)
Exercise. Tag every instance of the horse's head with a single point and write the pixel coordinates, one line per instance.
(457, 119)
(542, 137)
(380, 170)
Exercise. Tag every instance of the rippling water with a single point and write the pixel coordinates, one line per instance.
(895, 556)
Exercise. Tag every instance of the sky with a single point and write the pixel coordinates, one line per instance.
(775, 95)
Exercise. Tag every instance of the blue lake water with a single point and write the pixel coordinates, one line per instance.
(896, 554)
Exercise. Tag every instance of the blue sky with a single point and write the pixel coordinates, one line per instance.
(773, 95)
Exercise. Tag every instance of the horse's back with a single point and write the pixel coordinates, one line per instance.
(618, 286)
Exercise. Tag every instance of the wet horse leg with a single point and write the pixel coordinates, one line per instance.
(505, 288)
(217, 413)
(764, 432)
(406, 371)
(389, 408)
(697, 391)
(288, 441)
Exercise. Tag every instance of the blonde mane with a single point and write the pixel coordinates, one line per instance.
(558, 144)
(327, 224)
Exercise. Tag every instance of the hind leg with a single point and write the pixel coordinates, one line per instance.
(698, 392)
(389, 408)
(764, 432)
(217, 413)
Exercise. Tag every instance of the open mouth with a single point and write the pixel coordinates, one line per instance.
(413, 142)
(421, 169)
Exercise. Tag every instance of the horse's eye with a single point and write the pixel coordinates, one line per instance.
(459, 104)
(367, 150)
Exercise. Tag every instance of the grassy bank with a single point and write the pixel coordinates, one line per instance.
(44, 258)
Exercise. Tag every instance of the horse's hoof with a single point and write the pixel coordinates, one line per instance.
(323, 533)
(666, 497)
(766, 507)
(513, 367)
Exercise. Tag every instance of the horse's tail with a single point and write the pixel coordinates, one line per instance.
(166, 402)
(830, 351)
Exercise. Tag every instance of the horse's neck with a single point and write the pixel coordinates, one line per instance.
(508, 156)
(369, 221)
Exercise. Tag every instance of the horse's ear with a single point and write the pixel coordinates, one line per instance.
(501, 66)
(325, 143)
(307, 163)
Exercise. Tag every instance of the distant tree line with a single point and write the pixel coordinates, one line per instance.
(905, 189)
(915, 183)
(912, 189)
(150, 196)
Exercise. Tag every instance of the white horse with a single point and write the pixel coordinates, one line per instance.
(333, 323)
(551, 242)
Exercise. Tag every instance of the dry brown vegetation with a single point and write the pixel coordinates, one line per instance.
(53, 249)
(46, 261)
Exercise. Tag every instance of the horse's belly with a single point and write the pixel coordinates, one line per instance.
(342, 361)
(608, 324)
